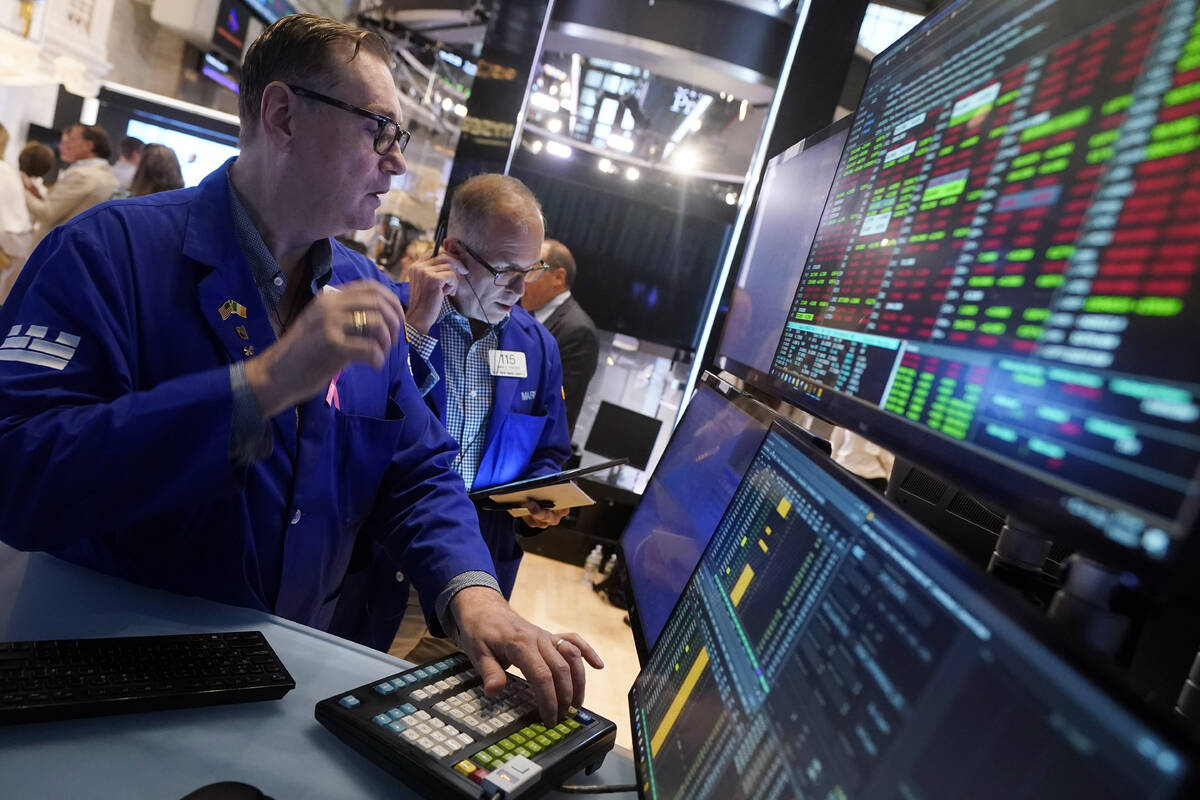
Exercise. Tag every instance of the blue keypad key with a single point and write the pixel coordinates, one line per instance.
(407, 679)
(583, 718)
(385, 688)
(395, 713)
(397, 727)
(422, 673)
(381, 720)
(408, 708)
(349, 701)
(397, 683)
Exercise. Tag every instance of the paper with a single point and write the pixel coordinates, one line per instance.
(562, 495)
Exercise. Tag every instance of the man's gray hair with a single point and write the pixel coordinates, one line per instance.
(483, 199)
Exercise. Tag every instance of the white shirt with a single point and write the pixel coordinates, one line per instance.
(124, 172)
(543, 313)
(14, 217)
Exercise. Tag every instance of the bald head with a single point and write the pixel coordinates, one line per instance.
(485, 202)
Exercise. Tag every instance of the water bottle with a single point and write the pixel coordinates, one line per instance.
(592, 564)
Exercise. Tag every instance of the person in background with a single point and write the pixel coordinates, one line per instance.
(16, 229)
(157, 171)
(508, 415)
(243, 382)
(551, 303)
(130, 150)
(35, 162)
(87, 181)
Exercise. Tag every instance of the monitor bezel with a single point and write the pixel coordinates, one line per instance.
(840, 125)
(1040, 498)
(752, 408)
(1086, 664)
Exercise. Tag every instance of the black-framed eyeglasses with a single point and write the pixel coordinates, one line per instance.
(509, 276)
(388, 133)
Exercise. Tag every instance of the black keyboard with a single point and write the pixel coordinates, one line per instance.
(432, 727)
(70, 678)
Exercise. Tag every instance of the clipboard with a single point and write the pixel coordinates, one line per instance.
(512, 496)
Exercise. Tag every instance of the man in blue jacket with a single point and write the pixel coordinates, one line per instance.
(200, 391)
(486, 367)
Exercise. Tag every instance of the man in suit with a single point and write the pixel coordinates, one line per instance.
(88, 180)
(551, 303)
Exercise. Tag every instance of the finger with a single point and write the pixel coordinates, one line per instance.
(585, 649)
(533, 665)
(564, 694)
(574, 658)
(493, 675)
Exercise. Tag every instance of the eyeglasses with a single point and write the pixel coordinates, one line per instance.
(388, 133)
(507, 277)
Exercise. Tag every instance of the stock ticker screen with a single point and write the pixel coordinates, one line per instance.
(827, 648)
(1008, 255)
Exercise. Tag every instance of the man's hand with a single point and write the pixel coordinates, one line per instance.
(359, 323)
(494, 636)
(30, 186)
(543, 517)
(430, 281)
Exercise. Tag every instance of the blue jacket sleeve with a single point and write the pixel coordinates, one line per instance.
(85, 449)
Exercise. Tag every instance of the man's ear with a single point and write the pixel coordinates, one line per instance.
(276, 116)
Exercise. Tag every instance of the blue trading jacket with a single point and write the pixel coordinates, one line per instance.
(116, 412)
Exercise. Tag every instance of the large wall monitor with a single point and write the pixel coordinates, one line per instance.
(1003, 284)
(827, 647)
(794, 186)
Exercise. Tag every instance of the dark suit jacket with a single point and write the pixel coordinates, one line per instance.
(575, 333)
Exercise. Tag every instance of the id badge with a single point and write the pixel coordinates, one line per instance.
(507, 364)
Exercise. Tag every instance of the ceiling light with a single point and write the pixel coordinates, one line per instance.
(558, 149)
(604, 165)
(544, 102)
(686, 159)
(554, 88)
(632, 174)
(619, 142)
(447, 105)
(554, 125)
(460, 109)
(536, 147)
(742, 111)
(731, 198)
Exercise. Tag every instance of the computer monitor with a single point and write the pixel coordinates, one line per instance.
(701, 467)
(794, 186)
(826, 646)
(620, 433)
(1003, 286)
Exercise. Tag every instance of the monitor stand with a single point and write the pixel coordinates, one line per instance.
(1097, 605)
(1019, 560)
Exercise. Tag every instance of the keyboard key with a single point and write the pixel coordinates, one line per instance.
(385, 688)
(439, 751)
(408, 708)
(411, 734)
(464, 767)
(397, 727)
(425, 743)
(381, 720)
(395, 713)
(483, 758)
(349, 701)
(464, 739)
(422, 715)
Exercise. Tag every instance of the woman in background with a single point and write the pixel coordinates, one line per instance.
(16, 228)
(158, 171)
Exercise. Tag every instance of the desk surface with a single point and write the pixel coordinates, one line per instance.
(277, 746)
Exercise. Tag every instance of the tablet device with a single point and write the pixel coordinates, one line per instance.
(543, 480)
